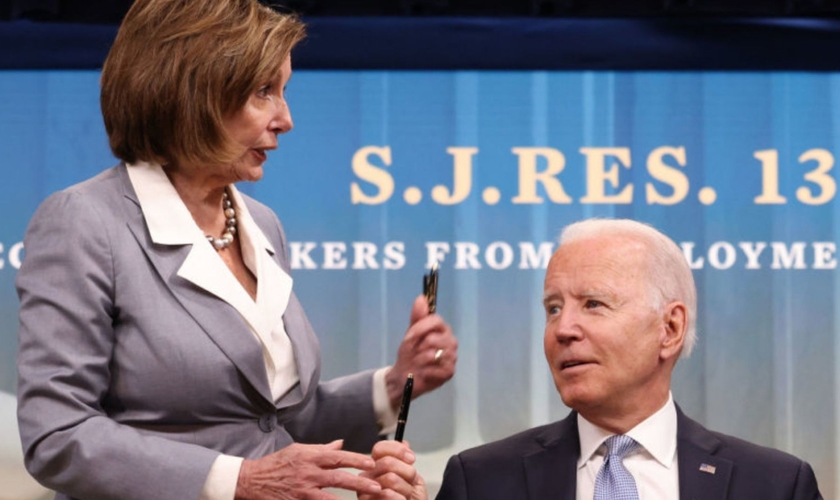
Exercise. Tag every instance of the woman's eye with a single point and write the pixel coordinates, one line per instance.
(264, 90)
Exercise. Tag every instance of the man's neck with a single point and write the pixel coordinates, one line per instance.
(621, 420)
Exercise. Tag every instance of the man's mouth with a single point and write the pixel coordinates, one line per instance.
(572, 364)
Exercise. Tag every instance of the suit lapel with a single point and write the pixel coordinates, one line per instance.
(222, 323)
(551, 472)
(304, 342)
(703, 476)
(274, 287)
(305, 347)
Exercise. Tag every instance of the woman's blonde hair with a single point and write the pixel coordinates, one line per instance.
(178, 68)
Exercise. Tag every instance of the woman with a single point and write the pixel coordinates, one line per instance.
(162, 351)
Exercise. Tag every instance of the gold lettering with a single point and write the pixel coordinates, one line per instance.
(667, 174)
(529, 176)
(372, 174)
(769, 159)
(828, 187)
(462, 177)
(597, 175)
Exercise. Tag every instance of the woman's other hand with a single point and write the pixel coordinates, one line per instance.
(395, 472)
(429, 350)
(300, 471)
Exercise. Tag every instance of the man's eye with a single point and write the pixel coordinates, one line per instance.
(592, 304)
(552, 310)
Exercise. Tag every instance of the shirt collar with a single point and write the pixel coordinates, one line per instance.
(657, 435)
(168, 219)
(258, 239)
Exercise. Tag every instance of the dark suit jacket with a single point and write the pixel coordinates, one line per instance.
(132, 378)
(541, 463)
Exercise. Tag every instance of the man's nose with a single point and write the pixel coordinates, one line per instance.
(566, 326)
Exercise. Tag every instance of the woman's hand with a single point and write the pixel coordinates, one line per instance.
(300, 471)
(429, 350)
(395, 472)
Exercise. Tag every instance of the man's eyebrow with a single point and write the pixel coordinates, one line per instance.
(596, 293)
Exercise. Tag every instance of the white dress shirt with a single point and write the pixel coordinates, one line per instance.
(170, 222)
(653, 464)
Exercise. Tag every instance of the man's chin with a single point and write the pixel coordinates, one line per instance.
(578, 398)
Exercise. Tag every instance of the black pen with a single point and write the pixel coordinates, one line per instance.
(404, 404)
(430, 285)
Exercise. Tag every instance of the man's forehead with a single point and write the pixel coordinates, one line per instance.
(597, 259)
(602, 248)
(587, 276)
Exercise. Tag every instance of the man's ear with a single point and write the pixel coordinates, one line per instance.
(675, 327)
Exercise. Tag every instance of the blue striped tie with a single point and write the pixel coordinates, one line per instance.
(614, 482)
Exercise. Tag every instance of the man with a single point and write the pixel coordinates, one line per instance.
(620, 307)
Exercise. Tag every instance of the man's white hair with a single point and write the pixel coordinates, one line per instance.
(668, 273)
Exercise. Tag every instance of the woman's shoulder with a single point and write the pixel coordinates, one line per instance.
(106, 183)
(97, 196)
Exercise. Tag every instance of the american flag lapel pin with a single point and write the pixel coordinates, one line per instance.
(709, 469)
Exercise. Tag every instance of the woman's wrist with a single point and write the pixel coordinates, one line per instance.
(242, 483)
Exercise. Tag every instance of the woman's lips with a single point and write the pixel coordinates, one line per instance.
(259, 154)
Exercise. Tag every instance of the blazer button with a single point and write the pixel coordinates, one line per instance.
(268, 422)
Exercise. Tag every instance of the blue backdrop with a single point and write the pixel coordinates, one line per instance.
(385, 170)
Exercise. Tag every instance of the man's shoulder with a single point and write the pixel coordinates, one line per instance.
(737, 450)
(753, 462)
(518, 445)
(756, 471)
(538, 459)
(732, 447)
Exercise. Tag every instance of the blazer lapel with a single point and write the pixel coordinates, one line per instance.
(305, 345)
(703, 476)
(219, 320)
(551, 472)
(307, 354)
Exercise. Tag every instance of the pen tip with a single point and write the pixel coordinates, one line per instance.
(411, 375)
(435, 266)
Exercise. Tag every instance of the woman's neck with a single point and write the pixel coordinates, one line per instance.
(202, 197)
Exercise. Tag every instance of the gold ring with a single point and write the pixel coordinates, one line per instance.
(438, 356)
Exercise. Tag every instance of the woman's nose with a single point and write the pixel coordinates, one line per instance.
(282, 121)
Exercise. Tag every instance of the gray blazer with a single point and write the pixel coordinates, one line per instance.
(131, 379)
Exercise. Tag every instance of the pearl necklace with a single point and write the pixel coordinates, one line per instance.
(230, 225)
